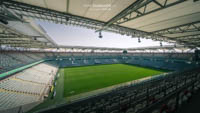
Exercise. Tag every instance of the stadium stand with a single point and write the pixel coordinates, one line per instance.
(11, 100)
(28, 86)
(7, 62)
(21, 86)
(11, 60)
(36, 72)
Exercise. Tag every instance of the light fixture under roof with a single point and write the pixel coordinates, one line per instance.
(175, 45)
(139, 40)
(100, 35)
(161, 44)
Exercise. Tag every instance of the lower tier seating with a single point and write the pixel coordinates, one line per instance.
(10, 100)
(26, 87)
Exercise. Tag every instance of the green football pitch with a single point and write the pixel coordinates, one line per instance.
(83, 79)
(78, 80)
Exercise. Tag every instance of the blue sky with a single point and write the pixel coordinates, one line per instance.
(78, 36)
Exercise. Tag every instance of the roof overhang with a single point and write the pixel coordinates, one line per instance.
(160, 20)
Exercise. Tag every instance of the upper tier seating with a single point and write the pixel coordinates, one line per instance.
(7, 62)
(12, 59)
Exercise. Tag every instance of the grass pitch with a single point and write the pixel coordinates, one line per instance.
(78, 80)
(83, 79)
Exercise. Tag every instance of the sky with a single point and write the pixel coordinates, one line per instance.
(79, 36)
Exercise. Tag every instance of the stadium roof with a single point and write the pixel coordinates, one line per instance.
(26, 35)
(162, 20)
(17, 32)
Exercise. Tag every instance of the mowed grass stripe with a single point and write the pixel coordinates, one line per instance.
(83, 79)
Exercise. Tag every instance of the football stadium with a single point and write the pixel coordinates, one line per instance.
(99, 56)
